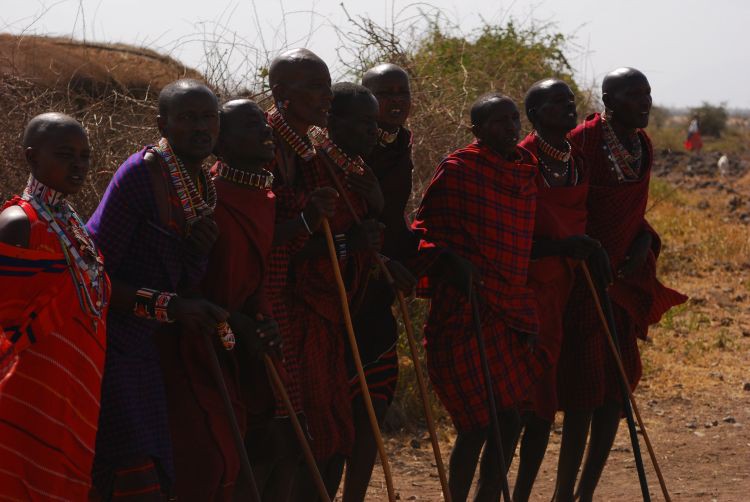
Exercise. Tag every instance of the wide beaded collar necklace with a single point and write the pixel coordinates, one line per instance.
(301, 146)
(336, 154)
(261, 181)
(552, 152)
(193, 203)
(84, 262)
(624, 164)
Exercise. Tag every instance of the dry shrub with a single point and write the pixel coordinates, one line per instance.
(449, 69)
(110, 89)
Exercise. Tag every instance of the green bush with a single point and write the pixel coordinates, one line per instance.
(712, 119)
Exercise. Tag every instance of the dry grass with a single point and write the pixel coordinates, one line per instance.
(111, 89)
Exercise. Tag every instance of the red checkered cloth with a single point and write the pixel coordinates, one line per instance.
(616, 216)
(560, 213)
(481, 207)
(305, 299)
(290, 201)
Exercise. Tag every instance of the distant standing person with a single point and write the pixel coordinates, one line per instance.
(619, 157)
(694, 142)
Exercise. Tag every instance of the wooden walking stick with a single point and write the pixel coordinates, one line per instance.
(621, 370)
(492, 407)
(239, 443)
(608, 322)
(306, 450)
(412, 346)
(358, 360)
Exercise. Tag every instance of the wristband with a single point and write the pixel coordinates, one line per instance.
(341, 247)
(304, 222)
(152, 304)
(226, 335)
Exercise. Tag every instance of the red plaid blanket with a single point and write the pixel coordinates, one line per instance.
(481, 207)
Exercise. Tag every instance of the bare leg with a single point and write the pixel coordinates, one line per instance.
(463, 462)
(490, 483)
(575, 431)
(331, 470)
(359, 466)
(533, 447)
(604, 426)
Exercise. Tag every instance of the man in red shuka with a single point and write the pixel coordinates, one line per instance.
(374, 323)
(619, 157)
(559, 244)
(206, 459)
(476, 222)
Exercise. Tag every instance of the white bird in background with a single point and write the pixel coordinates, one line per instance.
(723, 165)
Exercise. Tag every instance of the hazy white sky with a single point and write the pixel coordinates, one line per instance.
(691, 50)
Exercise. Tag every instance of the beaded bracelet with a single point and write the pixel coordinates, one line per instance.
(152, 304)
(225, 335)
(160, 306)
(341, 248)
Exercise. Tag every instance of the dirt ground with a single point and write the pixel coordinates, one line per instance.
(695, 394)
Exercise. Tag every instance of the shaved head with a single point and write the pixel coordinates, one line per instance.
(482, 107)
(237, 106)
(285, 65)
(539, 91)
(626, 94)
(42, 127)
(375, 73)
(617, 79)
(172, 91)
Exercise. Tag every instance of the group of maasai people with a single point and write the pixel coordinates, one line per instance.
(119, 334)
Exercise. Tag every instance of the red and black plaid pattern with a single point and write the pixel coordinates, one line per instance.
(616, 216)
(481, 207)
(290, 201)
(454, 365)
(318, 346)
(306, 303)
(587, 373)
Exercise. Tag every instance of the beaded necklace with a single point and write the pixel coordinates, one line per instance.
(194, 205)
(301, 146)
(385, 138)
(570, 173)
(43, 193)
(261, 181)
(81, 255)
(551, 151)
(336, 154)
(624, 164)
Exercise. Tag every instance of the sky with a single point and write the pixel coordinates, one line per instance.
(691, 50)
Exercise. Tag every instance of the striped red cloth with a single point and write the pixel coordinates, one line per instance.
(560, 213)
(481, 207)
(616, 216)
(49, 402)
